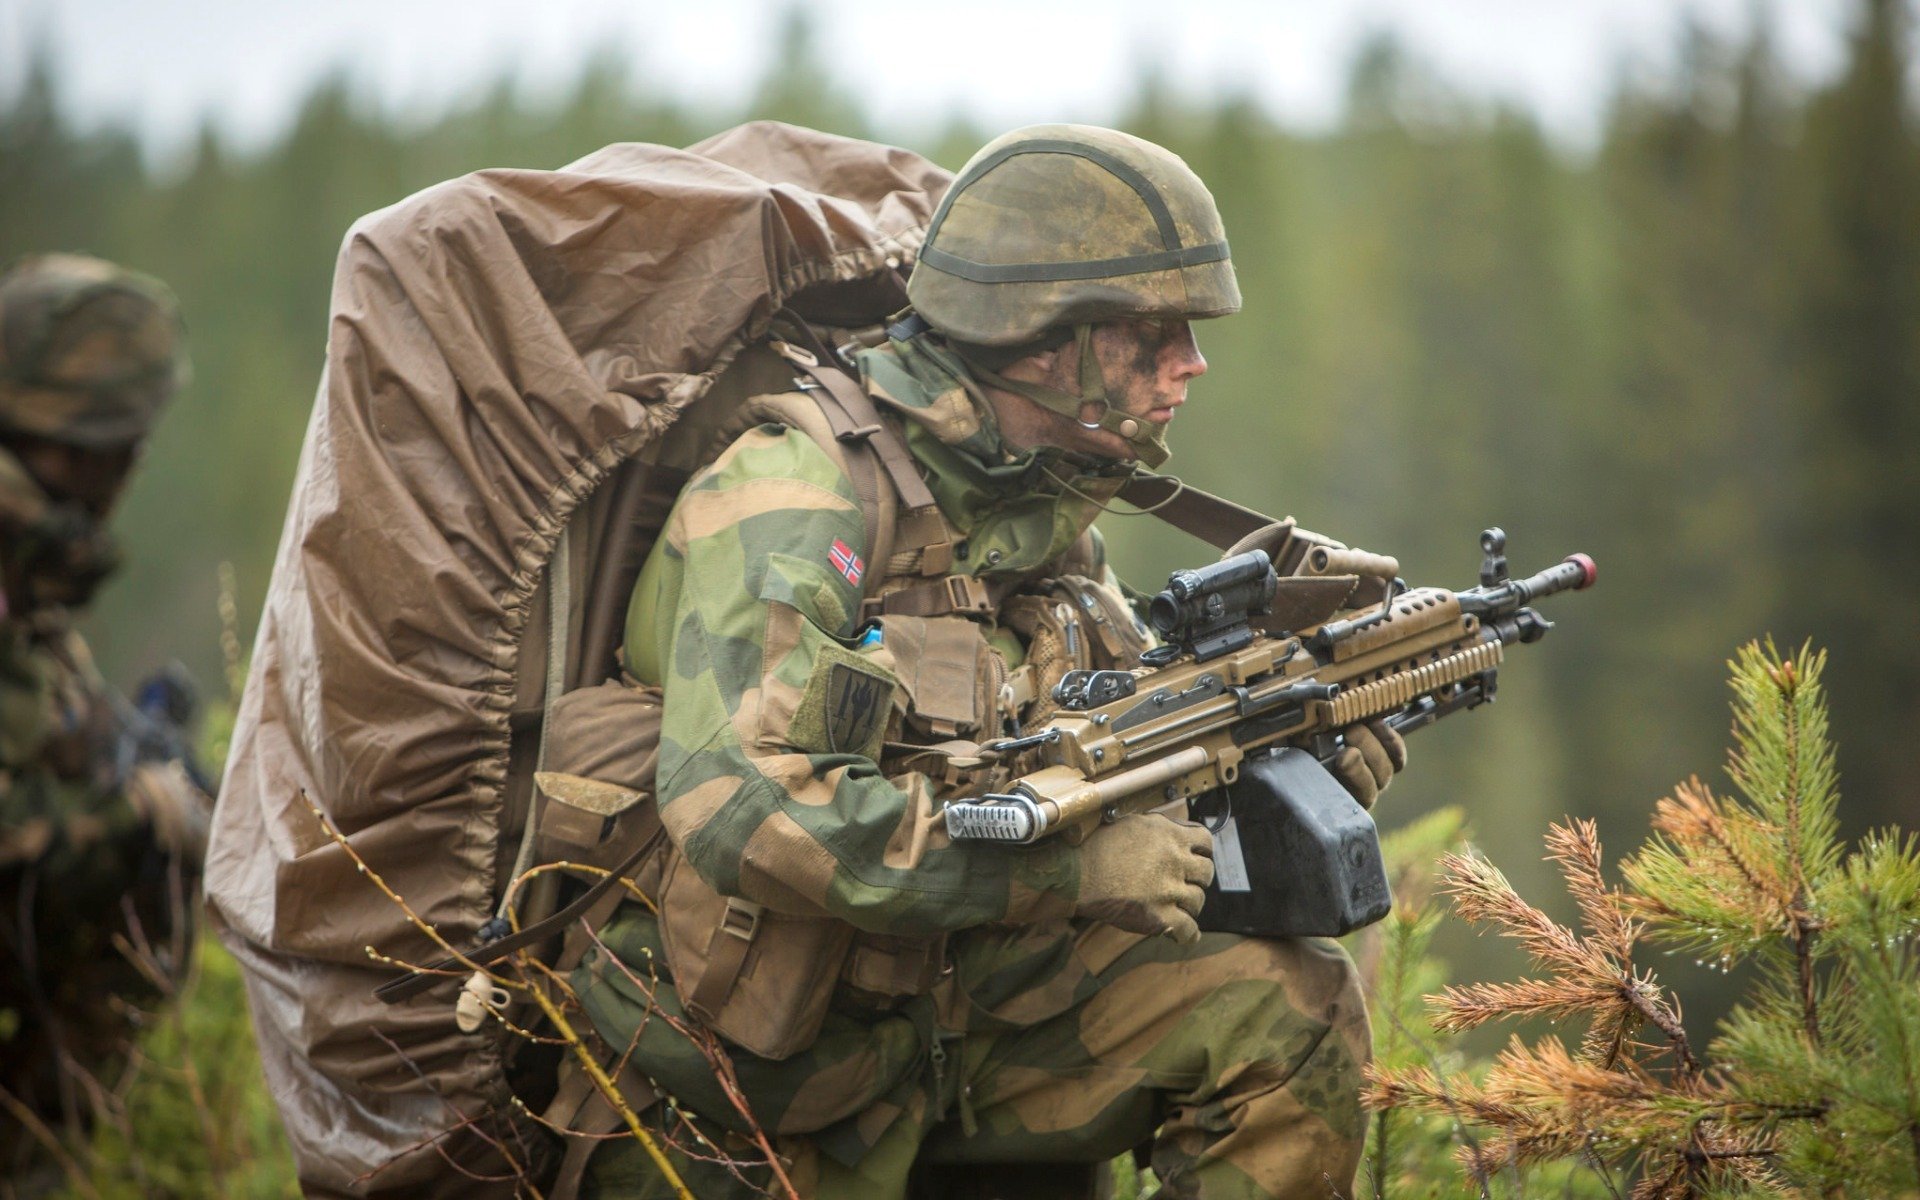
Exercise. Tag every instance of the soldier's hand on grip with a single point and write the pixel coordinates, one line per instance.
(1374, 753)
(1147, 874)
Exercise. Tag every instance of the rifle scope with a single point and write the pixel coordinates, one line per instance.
(1201, 605)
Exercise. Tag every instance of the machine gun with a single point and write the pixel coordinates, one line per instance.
(1232, 719)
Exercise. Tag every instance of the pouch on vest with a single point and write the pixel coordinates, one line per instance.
(1115, 635)
(950, 678)
(598, 810)
(883, 967)
(602, 746)
(759, 978)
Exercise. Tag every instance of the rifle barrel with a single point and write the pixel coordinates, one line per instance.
(1576, 572)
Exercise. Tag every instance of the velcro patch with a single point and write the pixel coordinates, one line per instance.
(857, 706)
(845, 705)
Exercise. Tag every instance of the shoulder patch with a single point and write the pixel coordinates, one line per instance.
(845, 705)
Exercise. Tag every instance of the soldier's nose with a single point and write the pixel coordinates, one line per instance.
(1184, 360)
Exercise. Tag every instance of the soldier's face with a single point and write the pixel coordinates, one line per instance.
(92, 479)
(1147, 366)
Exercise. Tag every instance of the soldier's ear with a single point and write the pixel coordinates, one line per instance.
(1050, 366)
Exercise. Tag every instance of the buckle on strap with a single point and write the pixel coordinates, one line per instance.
(968, 595)
(951, 595)
(799, 356)
(741, 918)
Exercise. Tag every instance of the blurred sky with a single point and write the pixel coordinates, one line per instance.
(164, 64)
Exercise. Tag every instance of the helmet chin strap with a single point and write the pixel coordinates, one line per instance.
(1146, 439)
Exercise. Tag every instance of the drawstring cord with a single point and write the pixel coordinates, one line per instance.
(1105, 507)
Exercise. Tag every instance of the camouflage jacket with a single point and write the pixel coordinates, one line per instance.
(747, 614)
(86, 798)
(58, 786)
(100, 840)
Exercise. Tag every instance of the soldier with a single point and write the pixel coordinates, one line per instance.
(101, 829)
(895, 997)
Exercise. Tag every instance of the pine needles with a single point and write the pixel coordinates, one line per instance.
(1812, 1085)
(1407, 1150)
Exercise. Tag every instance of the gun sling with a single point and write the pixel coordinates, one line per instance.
(1217, 522)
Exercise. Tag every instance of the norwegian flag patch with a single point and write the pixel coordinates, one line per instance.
(846, 562)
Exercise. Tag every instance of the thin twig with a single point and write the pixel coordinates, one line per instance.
(466, 1122)
(609, 1091)
(135, 947)
(1803, 934)
(721, 1062)
(1657, 1015)
(413, 918)
(1461, 1129)
(46, 1137)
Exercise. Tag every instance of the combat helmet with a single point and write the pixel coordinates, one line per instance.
(89, 352)
(1053, 228)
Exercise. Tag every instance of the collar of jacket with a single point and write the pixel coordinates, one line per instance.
(1016, 511)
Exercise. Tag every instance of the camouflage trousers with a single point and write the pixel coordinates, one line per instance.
(1237, 1060)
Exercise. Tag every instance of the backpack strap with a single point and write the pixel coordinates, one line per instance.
(872, 447)
(415, 982)
(583, 1114)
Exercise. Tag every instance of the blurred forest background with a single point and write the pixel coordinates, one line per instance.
(1690, 351)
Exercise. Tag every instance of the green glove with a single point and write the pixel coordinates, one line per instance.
(1374, 752)
(1146, 874)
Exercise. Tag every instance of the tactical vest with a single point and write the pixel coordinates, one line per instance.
(764, 979)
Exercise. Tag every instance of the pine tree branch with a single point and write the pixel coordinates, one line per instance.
(1575, 846)
(1661, 1017)
(1379, 1158)
(1803, 934)
(1694, 815)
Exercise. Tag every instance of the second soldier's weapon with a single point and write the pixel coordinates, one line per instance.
(1232, 718)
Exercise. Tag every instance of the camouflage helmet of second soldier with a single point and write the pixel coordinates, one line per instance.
(1051, 229)
(89, 352)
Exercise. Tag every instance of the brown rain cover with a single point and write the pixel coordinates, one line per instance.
(497, 344)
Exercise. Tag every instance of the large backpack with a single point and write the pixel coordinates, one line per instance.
(518, 362)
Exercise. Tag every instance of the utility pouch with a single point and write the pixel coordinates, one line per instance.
(759, 978)
(949, 677)
(1116, 638)
(603, 745)
(886, 968)
(1075, 625)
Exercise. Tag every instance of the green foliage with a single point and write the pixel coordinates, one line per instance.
(1408, 1153)
(197, 1119)
(1712, 866)
(1430, 1154)
(1812, 1086)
